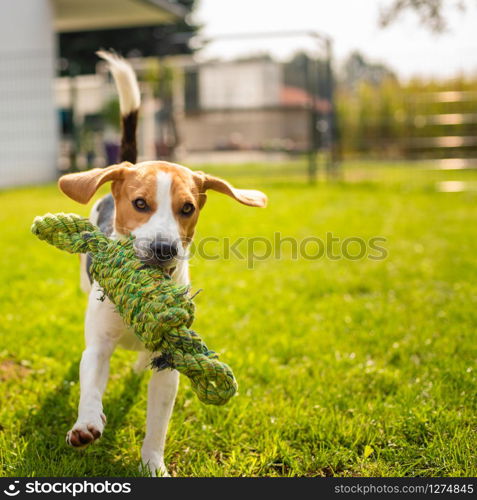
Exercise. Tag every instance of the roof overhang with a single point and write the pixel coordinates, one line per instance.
(86, 15)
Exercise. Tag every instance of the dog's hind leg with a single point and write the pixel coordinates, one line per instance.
(161, 394)
(142, 362)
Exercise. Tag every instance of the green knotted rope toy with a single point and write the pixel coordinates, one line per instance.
(159, 311)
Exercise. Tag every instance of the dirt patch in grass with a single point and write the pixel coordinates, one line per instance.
(12, 370)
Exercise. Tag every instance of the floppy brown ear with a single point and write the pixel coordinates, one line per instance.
(249, 197)
(82, 186)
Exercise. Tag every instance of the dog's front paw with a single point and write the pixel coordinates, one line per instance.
(85, 432)
(154, 464)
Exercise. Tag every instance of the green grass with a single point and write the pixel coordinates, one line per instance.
(345, 367)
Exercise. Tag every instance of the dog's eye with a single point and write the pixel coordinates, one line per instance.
(140, 204)
(187, 209)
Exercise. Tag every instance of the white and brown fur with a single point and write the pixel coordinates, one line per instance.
(163, 225)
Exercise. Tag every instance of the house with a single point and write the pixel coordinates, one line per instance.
(246, 105)
(28, 28)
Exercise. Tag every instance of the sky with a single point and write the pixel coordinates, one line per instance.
(408, 48)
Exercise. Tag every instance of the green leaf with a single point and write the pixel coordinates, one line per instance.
(368, 451)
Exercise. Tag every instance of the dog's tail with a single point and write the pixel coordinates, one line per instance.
(129, 102)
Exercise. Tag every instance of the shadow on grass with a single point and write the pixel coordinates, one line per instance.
(46, 452)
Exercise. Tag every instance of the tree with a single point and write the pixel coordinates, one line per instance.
(430, 12)
(358, 69)
(308, 74)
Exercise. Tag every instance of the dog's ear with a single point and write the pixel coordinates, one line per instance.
(250, 197)
(82, 186)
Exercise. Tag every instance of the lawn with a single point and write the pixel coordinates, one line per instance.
(346, 367)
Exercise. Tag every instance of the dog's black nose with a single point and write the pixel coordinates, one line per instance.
(163, 252)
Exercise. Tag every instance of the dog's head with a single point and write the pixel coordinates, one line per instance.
(157, 202)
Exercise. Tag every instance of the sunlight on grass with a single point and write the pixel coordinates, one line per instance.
(345, 367)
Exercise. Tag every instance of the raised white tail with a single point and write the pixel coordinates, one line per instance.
(129, 102)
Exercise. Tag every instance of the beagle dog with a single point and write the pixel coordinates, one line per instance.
(159, 204)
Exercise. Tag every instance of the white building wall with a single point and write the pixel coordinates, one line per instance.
(28, 130)
(251, 84)
(90, 93)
